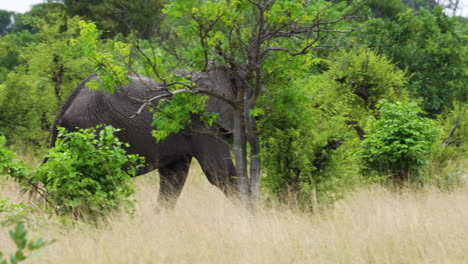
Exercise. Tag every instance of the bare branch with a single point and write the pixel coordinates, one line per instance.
(180, 83)
(341, 31)
(292, 53)
(153, 67)
(448, 140)
(168, 93)
(309, 46)
(146, 102)
(255, 3)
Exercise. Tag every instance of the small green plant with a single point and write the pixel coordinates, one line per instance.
(88, 174)
(23, 245)
(400, 142)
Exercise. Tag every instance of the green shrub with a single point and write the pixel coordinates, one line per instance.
(306, 151)
(400, 142)
(88, 173)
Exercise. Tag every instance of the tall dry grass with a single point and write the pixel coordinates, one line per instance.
(372, 225)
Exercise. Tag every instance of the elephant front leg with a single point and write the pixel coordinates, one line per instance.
(219, 170)
(221, 173)
(172, 180)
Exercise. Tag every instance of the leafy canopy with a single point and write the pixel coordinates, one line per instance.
(432, 48)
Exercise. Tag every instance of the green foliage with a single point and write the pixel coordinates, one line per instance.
(11, 212)
(120, 16)
(261, 42)
(172, 116)
(218, 30)
(23, 245)
(353, 84)
(361, 78)
(400, 142)
(8, 166)
(44, 68)
(306, 150)
(455, 128)
(11, 46)
(88, 173)
(112, 72)
(447, 161)
(26, 22)
(389, 8)
(432, 47)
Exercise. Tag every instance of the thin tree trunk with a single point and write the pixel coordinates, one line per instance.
(254, 160)
(240, 149)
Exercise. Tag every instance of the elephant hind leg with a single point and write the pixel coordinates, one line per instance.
(172, 180)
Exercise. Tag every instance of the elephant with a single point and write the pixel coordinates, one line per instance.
(171, 157)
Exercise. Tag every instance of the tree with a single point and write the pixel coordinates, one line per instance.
(312, 125)
(40, 76)
(435, 58)
(307, 145)
(260, 43)
(120, 16)
(26, 21)
(11, 47)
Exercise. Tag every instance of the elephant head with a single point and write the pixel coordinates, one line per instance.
(219, 83)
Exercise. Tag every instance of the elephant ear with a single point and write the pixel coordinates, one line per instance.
(218, 81)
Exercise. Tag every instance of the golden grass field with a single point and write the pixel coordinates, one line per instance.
(372, 225)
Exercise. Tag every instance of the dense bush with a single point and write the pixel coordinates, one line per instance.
(88, 173)
(307, 152)
(400, 141)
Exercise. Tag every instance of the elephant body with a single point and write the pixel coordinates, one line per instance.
(87, 108)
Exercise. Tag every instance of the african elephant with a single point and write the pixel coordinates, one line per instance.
(87, 108)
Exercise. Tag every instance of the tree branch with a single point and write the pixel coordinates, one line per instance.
(146, 102)
(233, 103)
(447, 141)
(153, 67)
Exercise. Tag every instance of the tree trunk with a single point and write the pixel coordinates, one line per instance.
(245, 136)
(254, 160)
(240, 149)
